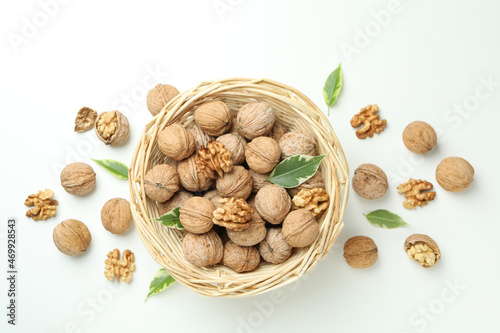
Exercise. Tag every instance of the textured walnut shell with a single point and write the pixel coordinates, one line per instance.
(203, 250)
(237, 183)
(176, 142)
(255, 119)
(454, 174)
(117, 136)
(192, 179)
(297, 143)
(423, 239)
(71, 237)
(278, 131)
(85, 119)
(196, 215)
(214, 197)
(78, 178)
(300, 228)
(177, 200)
(315, 181)
(161, 182)
(116, 216)
(263, 154)
(240, 258)
(201, 139)
(273, 248)
(236, 145)
(159, 96)
(360, 252)
(273, 203)
(258, 180)
(214, 118)
(250, 236)
(370, 182)
(419, 137)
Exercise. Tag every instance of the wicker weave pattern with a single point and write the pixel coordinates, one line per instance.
(294, 110)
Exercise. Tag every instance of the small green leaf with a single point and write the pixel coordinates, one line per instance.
(161, 281)
(385, 219)
(332, 87)
(118, 169)
(295, 170)
(171, 219)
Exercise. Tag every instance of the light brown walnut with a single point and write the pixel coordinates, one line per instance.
(177, 200)
(176, 142)
(278, 131)
(419, 137)
(315, 200)
(414, 192)
(237, 183)
(252, 235)
(360, 252)
(240, 258)
(191, 178)
(273, 248)
(44, 206)
(203, 250)
(297, 143)
(234, 214)
(370, 119)
(423, 249)
(116, 216)
(236, 144)
(196, 215)
(71, 237)
(214, 118)
(273, 203)
(262, 154)
(161, 182)
(214, 158)
(370, 182)
(112, 128)
(121, 269)
(300, 228)
(259, 180)
(454, 174)
(78, 178)
(214, 197)
(255, 119)
(85, 119)
(159, 96)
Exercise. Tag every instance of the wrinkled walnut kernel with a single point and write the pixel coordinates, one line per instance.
(414, 193)
(423, 249)
(215, 157)
(315, 200)
(234, 214)
(122, 269)
(370, 120)
(44, 206)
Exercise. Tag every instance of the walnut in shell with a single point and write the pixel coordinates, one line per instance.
(255, 119)
(161, 182)
(176, 142)
(300, 228)
(278, 131)
(252, 235)
(423, 249)
(273, 203)
(258, 180)
(116, 216)
(214, 197)
(273, 248)
(112, 128)
(315, 181)
(85, 119)
(237, 183)
(177, 200)
(78, 178)
(159, 96)
(236, 145)
(262, 154)
(419, 137)
(191, 178)
(201, 139)
(196, 215)
(454, 174)
(203, 250)
(370, 182)
(214, 118)
(360, 252)
(71, 237)
(297, 143)
(240, 258)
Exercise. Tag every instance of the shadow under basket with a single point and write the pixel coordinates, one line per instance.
(295, 111)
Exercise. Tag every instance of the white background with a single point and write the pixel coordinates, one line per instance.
(427, 57)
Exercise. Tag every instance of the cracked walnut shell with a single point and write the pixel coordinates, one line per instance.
(214, 118)
(240, 258)
(191, 178)
(237, 183)
(414, 193)
(454, 174)
(423, 249)
(176, 142)
(255, 119)
(419, 137)
(273, 203)
(203, 250)
(78, 178)
(300, 228)
(263, 154)
(196, 215)
(236, 144)
(315, 200)
(159, 96)
(112, 128)
(161, 182)
(122, 269)
(297, 143)
(44, 206)
(71, 237)
(370, 182)
(360, 252)
(116, 216)
(273, 248)
(85, 119)
(370, 119)
(215, 157)
(234, 214)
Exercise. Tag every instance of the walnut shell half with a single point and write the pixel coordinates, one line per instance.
(112, 128)
(423, 249)
(71, 237)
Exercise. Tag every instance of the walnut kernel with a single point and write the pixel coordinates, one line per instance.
(122, 269)
(273, 248)
(414, 193)
(255, 119)
(240, 258)
(300, 228)
(203, 250)
(370, 182)
(44, 206)
(161, 182)
(273, 203)
(78, 178)
(370, 119)
(423, 249)
(176, 142)
(196, 215)
(315, 200)
(360, 252)
(262, 154)
(419, 137)
(234, 214)
(159, 96)
(215, 157)
(112, 128)
(214, 117)
(116, 216)
(71, 237)
(454, 174)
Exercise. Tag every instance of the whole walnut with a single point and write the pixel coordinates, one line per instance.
(196, 215)
(454, 174)
(203, 250)
(214, 118)
(419, 137)
(297, 143)
(161, 182)
(116, 216)
(214, 197)
(263, 154)
(176, 142)
(201, 139)
(236, 145)
(315, 181)
(370, 182)
(273, 248)
(112, 128)
(255, 119)
(251, 235)
(71, 237)
(273, 203)
(237, 183)
(360, 252)
(278, 131)
(159, 96)
(300, 228)
(240, 258)
(78, 178)
(259, 180)
(177, 200)
(191, 178)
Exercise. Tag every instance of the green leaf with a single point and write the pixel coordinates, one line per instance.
(295, 170)
(171, 219)
(117, 169)
(385, 219)
(332, 87)
(161, 281)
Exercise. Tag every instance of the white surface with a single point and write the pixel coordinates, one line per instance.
(429, 57)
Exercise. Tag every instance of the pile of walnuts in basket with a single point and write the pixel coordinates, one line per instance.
(216, 174)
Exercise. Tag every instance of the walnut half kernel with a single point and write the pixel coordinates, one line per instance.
(122, 269)
(423, 249)
(44, 206)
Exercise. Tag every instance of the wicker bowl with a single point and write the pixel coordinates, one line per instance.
(294, 110)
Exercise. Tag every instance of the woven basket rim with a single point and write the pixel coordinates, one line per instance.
(165, 245)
